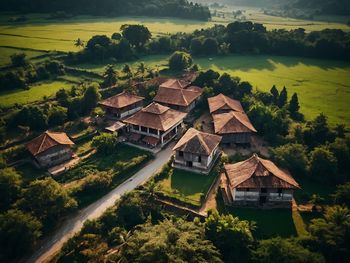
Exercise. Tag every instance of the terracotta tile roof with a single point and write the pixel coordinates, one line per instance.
(116, 126)
(121, 100)
(258, 173)
(198, 142)
(179, 97)
(157, 117)
(223, 102)
(175, 84)
(232, 122)
(46, 141)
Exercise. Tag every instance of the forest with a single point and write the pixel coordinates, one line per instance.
(157, 8)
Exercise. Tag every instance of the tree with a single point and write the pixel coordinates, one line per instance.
(90, 98)
(207, 78)
(33, 117)
(10, 187)
(57, 116)
(47, 200)
(137, 35)
(168, 241)
(196, 46)
(98, 40)
(127, 71)
(179, 61)
(294, 105)
(230, 235)
(282, 99)
(292, 157)
(227, 84)
(323, 164)
(19, 60)
(116, 36)
(244, 88)
(105, 143)
(19, 232)
(341, 195)
(79, 43)
(278, 250)
(109, 77)
(331, 234)
(318, 132)
(341, 151)
(275, 94)
(210, 46)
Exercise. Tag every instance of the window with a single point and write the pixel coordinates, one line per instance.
(181, 153)
(199, 159)
(135, 127)
(247, 190)
(153, 131)
(144, 129)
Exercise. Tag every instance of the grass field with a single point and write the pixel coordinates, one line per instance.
(36, 93)
(5, 54)
(186, 186)
(322, 85)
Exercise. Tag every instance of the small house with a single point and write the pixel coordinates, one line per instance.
(175, 84)
(51, 148)
(257, 182)
(154, 125)
(223, 104)
(234, 127)
(121, 105)
(197, 151)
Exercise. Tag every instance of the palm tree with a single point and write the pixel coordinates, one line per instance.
(127, 70)
(79, 43)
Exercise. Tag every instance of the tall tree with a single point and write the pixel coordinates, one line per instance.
(275, 94)
(109, 77)
(282, 99)
(137, 35)
(90, 98)
(294, 105)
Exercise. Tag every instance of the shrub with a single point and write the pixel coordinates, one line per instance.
(180, 60)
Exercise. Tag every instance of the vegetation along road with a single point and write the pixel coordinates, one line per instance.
(72, 225)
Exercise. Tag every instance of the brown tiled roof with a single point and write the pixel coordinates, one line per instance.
(157, 117)
(175, 84)
(179, 97)
(223, 102)
(121, 100)
(258, 173)
(198, 142)
(46, 141)
(232, 122)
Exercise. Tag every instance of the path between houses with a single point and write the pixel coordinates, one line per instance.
(53, 243)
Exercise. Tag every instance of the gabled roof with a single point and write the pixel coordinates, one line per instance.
(46, 141)
(175, 84)
(121, 100)
(179, 97)
(223, 102)
(198, 142)
(258, 173)
(157, 117)
(232, 122)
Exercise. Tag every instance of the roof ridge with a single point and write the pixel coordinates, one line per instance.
(199, 135)
(42, 141)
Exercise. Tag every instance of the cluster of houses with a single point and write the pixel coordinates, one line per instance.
(251, 182)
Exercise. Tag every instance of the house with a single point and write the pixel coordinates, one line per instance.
(155, 125)
(121, 105)
(182, 99)
(234, 127)
(223, 104)
(257, 182)
(51, 148)
(197, 151)
(175, 84)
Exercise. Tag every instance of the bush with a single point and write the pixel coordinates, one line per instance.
(180, 60)
(96, 183)
(323, 165)
(105, 143)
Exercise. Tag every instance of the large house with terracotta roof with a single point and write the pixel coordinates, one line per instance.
(197, 151)
(155, 125)
(257, 182)
(234, 127)
(121, 105)
(223, 104)
(51, 148)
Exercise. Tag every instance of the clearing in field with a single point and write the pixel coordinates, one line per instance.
(322, 85)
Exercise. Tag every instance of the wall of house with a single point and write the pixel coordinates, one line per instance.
(272, 195)
(123, 112)
(236, 138)
(54, 156)
(194, 158)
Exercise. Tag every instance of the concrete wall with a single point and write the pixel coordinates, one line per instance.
(254, 195)
(242, 138)
(54, 156)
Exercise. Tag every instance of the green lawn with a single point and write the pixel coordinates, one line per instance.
(35, 93)
(322, 85)
(6, 53)
(186, 186)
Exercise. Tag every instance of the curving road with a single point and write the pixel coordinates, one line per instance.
(54, 242)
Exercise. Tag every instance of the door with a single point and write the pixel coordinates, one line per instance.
(189, 164)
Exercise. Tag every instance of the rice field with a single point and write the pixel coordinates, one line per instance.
(322, 85)
(36, 93)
